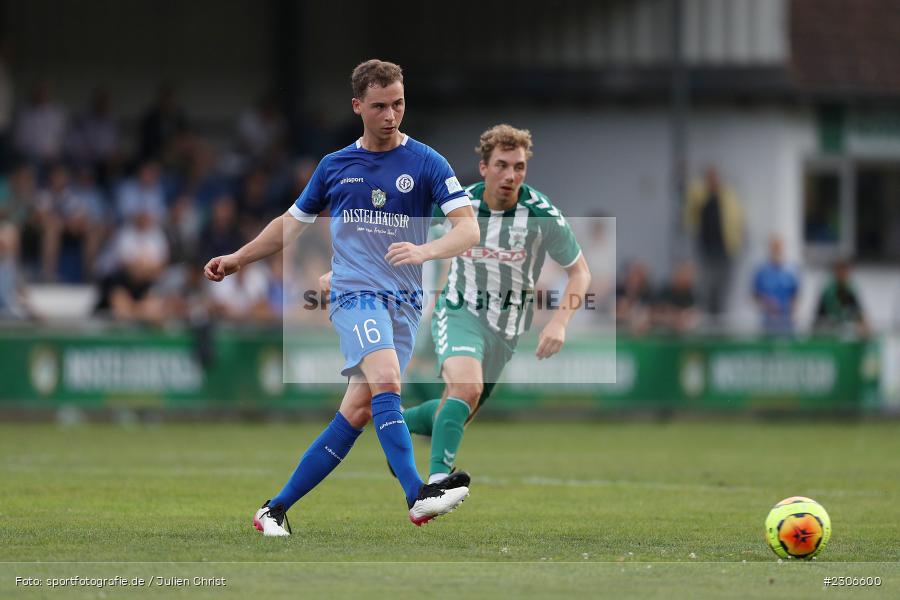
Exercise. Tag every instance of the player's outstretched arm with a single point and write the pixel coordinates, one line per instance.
(280, 232)
(553, 336)
(463, 235)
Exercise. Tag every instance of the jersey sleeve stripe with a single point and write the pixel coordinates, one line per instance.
(300, 215)
(574, 260)
(454, 203)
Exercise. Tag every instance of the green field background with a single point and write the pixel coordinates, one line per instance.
(633, 510)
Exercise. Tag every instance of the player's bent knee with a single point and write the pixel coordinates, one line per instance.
(384, 378)
(385, 381)
(470, 392)
(382, 372)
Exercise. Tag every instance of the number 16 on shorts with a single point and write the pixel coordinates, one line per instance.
(361, 332)
(370, 327)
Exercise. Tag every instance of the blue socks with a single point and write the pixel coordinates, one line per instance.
(333, 445)
(320, 459)
(396, 442)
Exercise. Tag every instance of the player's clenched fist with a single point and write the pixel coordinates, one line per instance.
(325, 282)
(406, 253)
(221, 266)
(551, 340)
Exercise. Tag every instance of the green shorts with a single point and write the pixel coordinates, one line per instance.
(457, 332)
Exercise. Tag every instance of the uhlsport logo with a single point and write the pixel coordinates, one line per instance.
(333, 453)
(379, 198)
(405, 183)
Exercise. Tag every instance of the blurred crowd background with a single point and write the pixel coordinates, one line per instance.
(134, 215)
(750, 156)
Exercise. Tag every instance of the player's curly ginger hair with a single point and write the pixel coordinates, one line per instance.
(374, 72)
(506, 137)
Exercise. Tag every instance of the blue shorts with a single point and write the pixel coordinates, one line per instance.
(366, 323)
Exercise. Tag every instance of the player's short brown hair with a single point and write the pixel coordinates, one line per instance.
(374, 72)
(506, 137)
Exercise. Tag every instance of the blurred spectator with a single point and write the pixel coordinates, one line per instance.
(295, 180)
(200, 179)
(85, 187)
(19, 195)
(775, 288)
(634, 299)
(182, 230)
(73, 229)
(96, 207)
(676, 308)
(181, 287)
(160, 124)
(142, 242)
(140, 253)
(36, 225)
(839, 306)
(255, 208)
(276, 291)
(13, 301)
(41, 127)
(221, 235)
(142, 193)
(713, 215)
(262, 131)
(243, 296)
(181, 290)
(94, 138)
(7, 103)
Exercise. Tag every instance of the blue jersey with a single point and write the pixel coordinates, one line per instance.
(376, 199)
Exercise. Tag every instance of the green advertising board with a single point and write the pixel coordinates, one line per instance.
(711, 373)
(245, 370)
(149, 369)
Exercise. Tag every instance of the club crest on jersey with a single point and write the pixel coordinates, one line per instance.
(517, 237)
(379, 198)
(405, 183)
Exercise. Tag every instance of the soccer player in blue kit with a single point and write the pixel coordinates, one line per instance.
(379, 189)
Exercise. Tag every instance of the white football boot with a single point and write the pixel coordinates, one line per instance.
(272, 521)
(434, 501)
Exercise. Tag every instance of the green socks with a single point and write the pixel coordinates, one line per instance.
(419, 419)
(447, 433)
(446, 429)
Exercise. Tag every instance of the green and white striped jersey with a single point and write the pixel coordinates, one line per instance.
(496, 277)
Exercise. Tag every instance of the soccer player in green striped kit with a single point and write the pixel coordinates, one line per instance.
(488, 301)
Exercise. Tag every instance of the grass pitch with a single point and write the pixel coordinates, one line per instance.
(617, 510)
